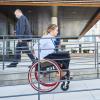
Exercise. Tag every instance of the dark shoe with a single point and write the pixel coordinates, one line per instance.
(11, 65)
(71, 77)
(66, 77)
(29, 66)
(63, 77)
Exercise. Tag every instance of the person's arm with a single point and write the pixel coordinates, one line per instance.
(36, 46)
(20, 28)
(22, 23)
(42, 43)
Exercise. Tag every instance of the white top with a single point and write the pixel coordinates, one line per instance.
(46, 46)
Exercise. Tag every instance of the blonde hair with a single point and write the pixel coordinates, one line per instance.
(51, 27)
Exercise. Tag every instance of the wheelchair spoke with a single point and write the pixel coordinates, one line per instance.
(47, 77)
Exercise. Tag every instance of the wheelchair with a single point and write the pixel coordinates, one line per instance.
(45, 76)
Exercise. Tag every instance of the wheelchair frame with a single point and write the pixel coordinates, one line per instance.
(40, 85)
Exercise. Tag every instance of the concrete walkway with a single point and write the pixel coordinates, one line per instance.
(77, 91)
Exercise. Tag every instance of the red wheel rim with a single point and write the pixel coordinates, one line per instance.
(42, 82)
(52, 85)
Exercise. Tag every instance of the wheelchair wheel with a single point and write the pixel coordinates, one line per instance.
(45, 78)
(65, 85)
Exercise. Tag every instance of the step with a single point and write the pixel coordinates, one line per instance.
(19, 75)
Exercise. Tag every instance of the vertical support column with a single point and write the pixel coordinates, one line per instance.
(54, 18)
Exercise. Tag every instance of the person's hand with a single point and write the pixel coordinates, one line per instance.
(19, 40)
(13, 33)
(59, 46)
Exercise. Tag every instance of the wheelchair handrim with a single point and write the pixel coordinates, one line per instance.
(53, 85)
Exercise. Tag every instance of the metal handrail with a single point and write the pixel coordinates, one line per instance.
(94, 61)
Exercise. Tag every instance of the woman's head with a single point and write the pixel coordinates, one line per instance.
(53, 29)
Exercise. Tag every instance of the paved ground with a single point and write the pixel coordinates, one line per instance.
(82, 67)
(20, 90)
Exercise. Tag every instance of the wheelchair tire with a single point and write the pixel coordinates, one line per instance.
(47, 87)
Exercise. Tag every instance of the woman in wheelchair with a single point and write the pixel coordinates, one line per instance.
(46, 49)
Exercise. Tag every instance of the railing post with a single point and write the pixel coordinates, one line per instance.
(14, 45)
(95, 53)
(3, 52)
(97, 62)
(39, 68)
